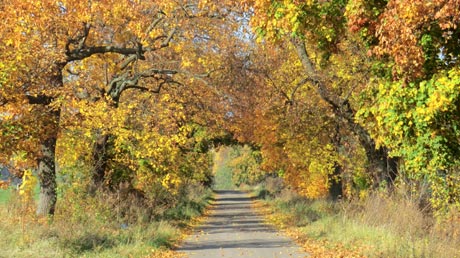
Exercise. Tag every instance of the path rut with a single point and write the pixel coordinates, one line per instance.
(234, 229)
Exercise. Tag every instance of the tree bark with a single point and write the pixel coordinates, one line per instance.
(47, 178)
(380, 165)
(47, 160)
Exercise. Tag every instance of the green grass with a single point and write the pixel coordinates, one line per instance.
(91, 228)
(222, 172)
(378, 241)
(5, 195)
(223, 179)
(376, 227)
(87, 240)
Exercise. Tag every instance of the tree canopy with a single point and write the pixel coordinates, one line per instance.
(353, 94)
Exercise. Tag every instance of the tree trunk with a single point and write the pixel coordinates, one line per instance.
(336, 187)
(99, 155)
(335, 179)
(47, 161)
(47, 178)
(381, 166)
(99, 160)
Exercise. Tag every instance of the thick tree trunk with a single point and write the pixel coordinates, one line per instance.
(47, 178)
(381, 166)
(47, 161)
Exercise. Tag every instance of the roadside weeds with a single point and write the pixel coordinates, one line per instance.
(316, 248)
(378, 226)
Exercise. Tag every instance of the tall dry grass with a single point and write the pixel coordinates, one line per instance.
(381, 225)
(96, 226)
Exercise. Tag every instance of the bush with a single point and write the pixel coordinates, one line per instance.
(102, 225)
(274, 185)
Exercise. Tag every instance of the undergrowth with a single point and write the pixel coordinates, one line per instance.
(94, 226)
(381, 225)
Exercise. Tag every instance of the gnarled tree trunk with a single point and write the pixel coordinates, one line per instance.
(381, 166)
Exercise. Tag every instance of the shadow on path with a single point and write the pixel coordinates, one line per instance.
(234, 229)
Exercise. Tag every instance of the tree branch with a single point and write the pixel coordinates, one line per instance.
(79, 54)
(302, 82)
(123, 82)
(153, 71)
(145, 89)
(168, 39)
(154, 23)
(313, 74)
(128, 61)
(79, 40)
(342, 109)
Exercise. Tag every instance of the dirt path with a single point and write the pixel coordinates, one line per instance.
(234, 229)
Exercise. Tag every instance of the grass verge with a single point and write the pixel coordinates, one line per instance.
(379, 226)
(89, 228)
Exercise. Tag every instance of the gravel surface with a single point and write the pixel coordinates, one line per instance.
(234, 229)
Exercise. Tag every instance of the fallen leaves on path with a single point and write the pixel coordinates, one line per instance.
(316, 248)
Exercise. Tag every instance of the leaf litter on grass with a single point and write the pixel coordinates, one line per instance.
(316, 248)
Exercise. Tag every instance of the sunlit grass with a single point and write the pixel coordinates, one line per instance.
(89, 228)
(222, 172)
(223, 179)
(5, 195)
(377, 227)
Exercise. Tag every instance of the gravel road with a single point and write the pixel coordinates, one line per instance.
(234, 229)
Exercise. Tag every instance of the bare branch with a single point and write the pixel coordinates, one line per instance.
(302, 82)
(145, 89)
(82, 40)
(154, 23)
(168, 39)
(313, 75)
(157, 90)
(141, 88)
(128, 61)
(126, 81)
(79, 54)
(114, 83)
(153, 71)
(79, 39)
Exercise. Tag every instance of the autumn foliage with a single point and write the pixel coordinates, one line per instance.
(381, 80)
(110, 88)
(338, 98)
